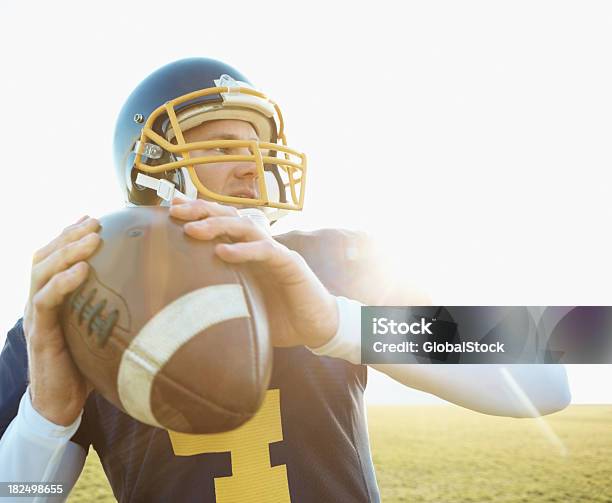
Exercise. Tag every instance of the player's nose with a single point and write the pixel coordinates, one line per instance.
(246, 169)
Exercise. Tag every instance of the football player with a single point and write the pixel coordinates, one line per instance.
(197, 137)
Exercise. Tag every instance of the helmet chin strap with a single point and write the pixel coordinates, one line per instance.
(167, 191)
(257, 216)
(191, 191)
(164, 188)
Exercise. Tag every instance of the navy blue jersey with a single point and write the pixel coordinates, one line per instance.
(308, 442)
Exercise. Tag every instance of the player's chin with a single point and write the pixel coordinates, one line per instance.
(242, 206)
(247, 203)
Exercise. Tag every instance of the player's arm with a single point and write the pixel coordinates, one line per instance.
(502, 390)
(303, 312)
(36, 445)
(33, 449)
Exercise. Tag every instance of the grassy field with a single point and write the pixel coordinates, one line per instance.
(448, 454)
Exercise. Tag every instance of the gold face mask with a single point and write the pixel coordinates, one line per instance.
(281, 171)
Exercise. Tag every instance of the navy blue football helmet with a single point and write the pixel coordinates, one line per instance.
(151, 153)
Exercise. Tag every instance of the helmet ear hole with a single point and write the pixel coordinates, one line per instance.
(143, 196)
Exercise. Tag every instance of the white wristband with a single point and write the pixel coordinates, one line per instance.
(36, 426)
(346, 344)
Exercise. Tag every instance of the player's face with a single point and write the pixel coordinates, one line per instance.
(227, 178)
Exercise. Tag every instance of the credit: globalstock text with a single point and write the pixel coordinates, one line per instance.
(386, 326)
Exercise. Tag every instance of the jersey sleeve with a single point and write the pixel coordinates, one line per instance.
(352, 264)
(82, 436)
(13, 375)
(375, 279)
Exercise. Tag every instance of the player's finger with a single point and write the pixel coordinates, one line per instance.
(252, 251)
(179, 200)
(199, 209)
(69, 234)
(49, 298)
(62, 259)
(240, 229)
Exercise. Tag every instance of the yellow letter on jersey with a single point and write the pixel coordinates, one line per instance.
(253, 478)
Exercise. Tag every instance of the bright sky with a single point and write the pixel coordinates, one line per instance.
(472, 139)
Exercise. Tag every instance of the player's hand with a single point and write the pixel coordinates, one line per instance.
(301, 310)
(58, 389)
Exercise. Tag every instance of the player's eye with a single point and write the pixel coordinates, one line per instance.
(221, 150)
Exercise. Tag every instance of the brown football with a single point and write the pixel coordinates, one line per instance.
(167, 331)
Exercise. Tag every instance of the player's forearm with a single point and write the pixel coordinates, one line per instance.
(33, 449)
(504, 390)
(500, 390)
(60, 405)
